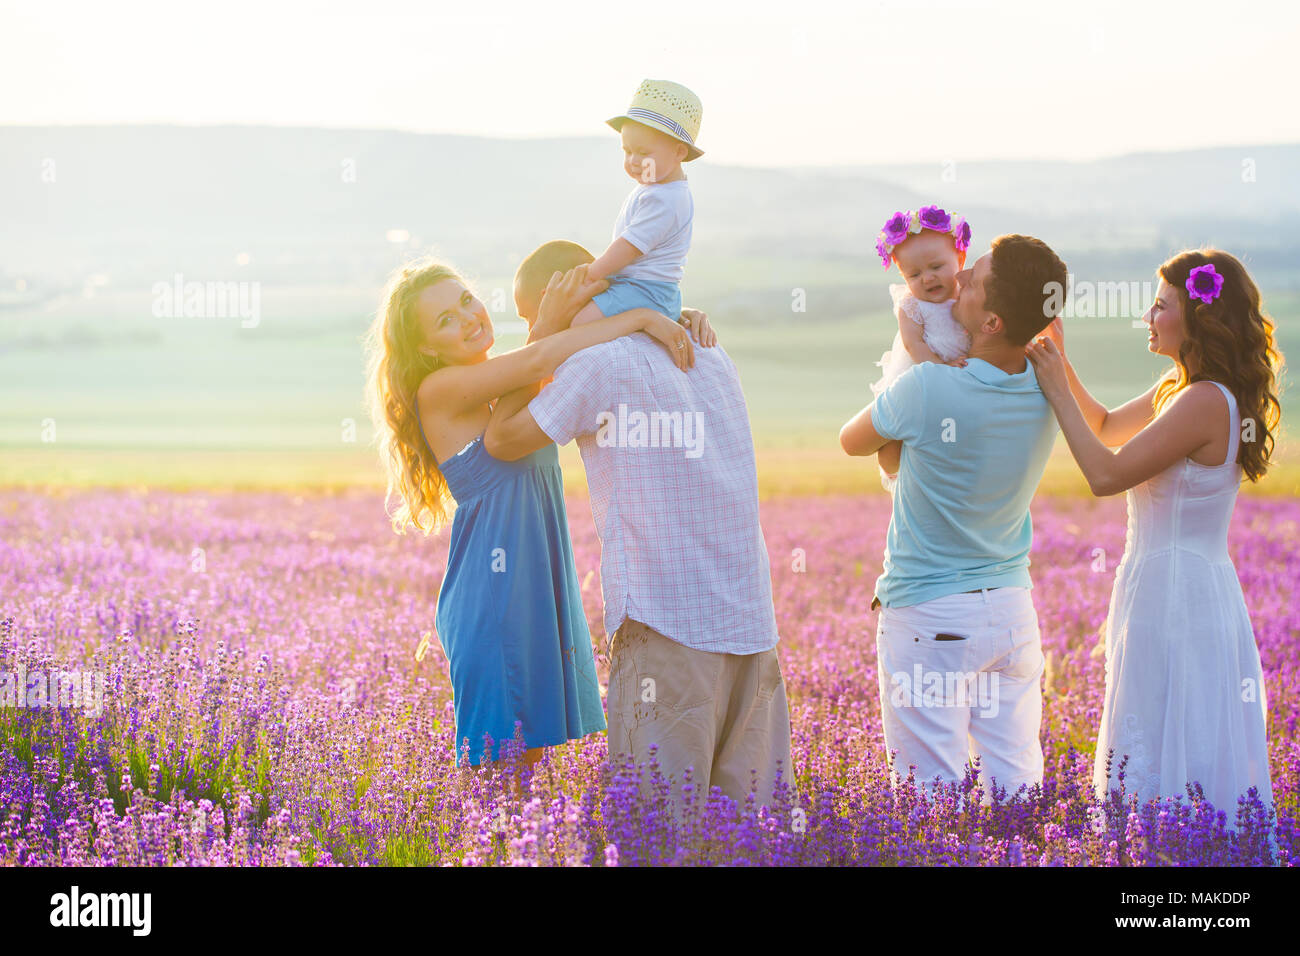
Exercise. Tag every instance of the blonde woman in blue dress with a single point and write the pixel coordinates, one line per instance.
(1185, 700)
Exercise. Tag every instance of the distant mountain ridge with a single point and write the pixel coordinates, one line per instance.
(318, 202)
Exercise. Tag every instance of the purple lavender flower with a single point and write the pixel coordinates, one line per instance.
(228, 767)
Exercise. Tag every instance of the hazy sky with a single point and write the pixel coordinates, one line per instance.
(798, 83)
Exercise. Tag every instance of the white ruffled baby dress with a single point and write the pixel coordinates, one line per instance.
(939, 329)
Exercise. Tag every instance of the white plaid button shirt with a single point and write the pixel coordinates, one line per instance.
(681, 547)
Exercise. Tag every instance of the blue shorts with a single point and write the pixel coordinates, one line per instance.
(626, 294)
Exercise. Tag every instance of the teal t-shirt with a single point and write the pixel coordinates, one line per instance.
(975, 443)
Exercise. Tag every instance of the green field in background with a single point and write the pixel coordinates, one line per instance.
(202, 402)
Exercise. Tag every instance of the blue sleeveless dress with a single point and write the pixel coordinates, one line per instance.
(510, 615)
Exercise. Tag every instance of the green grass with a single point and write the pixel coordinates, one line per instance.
(205, 403)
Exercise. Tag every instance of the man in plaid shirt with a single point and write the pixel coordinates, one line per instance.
(684, 568)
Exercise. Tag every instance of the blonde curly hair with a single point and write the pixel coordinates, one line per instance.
(395, 367)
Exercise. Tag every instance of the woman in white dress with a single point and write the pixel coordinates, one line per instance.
(1185, 699)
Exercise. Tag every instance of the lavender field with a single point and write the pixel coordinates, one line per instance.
(273, 694)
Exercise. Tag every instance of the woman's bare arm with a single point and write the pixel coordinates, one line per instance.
(1186, 427)
(457, 389)
(1119, 425)
(510, 403)
(1113, 426)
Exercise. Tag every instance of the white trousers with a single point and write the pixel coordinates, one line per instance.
(960, 678)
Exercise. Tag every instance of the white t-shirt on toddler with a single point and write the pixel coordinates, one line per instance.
(656, 218)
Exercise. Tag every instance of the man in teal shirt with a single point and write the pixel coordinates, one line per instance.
(957, 639)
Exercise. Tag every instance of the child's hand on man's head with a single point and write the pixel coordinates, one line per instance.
(564, 296)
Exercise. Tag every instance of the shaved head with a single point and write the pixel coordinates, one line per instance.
(536, 270)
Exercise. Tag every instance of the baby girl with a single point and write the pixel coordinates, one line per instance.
(929, 247)
(647, 259)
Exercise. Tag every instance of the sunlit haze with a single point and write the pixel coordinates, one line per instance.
(813, 83)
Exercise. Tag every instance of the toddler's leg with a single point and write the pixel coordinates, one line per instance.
(889, 456)
(588, 313)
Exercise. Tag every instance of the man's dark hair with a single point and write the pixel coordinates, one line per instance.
(538, 266)
(1026, 282)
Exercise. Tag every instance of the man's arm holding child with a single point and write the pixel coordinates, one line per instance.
(898, 413)
(859, 435)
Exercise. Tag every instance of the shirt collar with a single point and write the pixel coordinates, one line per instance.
(990, 374)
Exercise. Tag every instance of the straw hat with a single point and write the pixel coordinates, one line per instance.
(668, 107)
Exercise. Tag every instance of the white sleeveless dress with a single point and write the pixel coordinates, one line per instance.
(940, 331)
(1184, 688)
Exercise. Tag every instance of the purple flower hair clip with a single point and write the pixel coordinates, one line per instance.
(1204, 283)
(907, 223)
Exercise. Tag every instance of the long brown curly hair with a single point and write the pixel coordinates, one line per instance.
(1231, 341)
(395, 367)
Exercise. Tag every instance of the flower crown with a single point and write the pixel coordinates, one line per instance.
(908, 223)
(1204, 283)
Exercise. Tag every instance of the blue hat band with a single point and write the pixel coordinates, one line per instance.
(636, 112)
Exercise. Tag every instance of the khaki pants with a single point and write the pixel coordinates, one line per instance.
(724, 715)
